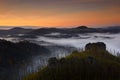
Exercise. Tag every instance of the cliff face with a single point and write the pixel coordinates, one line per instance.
(90, 64)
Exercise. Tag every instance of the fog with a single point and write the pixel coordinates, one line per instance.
(112, 40)
(61, 46)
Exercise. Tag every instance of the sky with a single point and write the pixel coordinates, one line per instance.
(59, 13)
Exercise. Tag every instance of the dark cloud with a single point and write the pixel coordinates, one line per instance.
(62, 6)
(59, 2)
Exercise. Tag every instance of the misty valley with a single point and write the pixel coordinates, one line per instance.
(27, 51)
(59, 39)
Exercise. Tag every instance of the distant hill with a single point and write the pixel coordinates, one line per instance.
(82, 27)
(32, 33)
(43, 31)
(112, 29)
(95, 63)
(76, 30)
(16, 30)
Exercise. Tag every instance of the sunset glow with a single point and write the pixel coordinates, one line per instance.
(59, 13)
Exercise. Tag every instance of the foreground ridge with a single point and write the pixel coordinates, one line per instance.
(95, 63)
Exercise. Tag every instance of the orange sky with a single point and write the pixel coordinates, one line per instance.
(64, 13)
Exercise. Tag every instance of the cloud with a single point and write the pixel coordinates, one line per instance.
(47, 2)
(65, 5)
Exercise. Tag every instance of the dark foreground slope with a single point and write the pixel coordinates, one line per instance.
(13, 56)
(15, 53)
(95, 63)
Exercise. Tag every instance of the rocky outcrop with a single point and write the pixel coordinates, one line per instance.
(98, 45)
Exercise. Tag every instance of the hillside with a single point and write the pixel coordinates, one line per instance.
(95, 63)
(13, 56)
(14, 53)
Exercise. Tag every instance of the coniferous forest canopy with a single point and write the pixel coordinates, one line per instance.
(59, 40)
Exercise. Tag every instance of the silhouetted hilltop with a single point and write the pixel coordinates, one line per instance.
(15, 53)
(16, 30)
(82, 27)
(43, 31)
(76, 30)
(95, 63)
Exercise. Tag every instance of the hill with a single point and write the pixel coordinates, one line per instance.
(16, 30)
(14, 53)
(95, 63)
(13, 56)
(76, 30)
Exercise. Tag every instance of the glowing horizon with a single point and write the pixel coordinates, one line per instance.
(59, 13)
